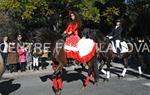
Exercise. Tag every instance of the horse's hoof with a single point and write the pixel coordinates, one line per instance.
(106, 80)
(96, 83)
(48, 79)
(58, 92)
(83, 88)
(139, 76)
(121, 77)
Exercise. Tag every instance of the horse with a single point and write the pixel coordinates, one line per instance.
(59, 60)
(1, 66)
(108, 55)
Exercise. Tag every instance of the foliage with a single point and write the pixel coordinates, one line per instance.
(109, 13)
(31, 14)
(89, 11)
(139, 11)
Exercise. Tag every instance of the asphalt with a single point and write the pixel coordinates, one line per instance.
(39, 83)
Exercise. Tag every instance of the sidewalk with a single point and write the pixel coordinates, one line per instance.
(48, 70)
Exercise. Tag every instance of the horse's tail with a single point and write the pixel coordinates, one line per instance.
(1, 66)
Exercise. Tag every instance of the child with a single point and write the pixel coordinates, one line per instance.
(29, 57)
(36, 54)
(22, 58)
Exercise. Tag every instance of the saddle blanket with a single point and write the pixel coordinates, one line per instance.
(84, 51)
(124, 47)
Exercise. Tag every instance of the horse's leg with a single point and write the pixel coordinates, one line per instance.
(109, 59)
(95, 72)
(102, 63)
(140, 62)
(57, 83)
(57, 80)
(92, 70)
(101, 67)
(125, 60)
(108, 70)
(89, 74)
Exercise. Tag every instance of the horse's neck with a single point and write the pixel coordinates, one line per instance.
(57, 46)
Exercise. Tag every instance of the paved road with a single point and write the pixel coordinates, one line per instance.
(36, 83)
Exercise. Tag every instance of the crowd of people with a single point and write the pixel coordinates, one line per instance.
(22, 56)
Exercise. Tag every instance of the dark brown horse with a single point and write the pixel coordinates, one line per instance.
(106, 54)
(59, 59)
(109, 56)
(1, 66)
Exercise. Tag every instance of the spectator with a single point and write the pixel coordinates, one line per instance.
(4, 50)
(22, 57)
(36, 54)
(28, 56)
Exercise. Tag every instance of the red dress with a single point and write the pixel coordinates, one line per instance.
(73, 39)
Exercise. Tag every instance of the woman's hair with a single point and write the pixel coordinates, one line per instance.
(77, 18)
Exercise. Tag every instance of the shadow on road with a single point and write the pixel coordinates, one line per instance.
(7, 87)
(67, 76)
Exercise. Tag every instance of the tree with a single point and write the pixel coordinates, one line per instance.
(32, 14)
(139, 11)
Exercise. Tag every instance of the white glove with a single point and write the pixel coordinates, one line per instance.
(110, 37)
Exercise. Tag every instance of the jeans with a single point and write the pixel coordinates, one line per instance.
(4, 56)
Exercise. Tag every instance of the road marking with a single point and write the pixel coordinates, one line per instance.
(146, 84)
(133, 79)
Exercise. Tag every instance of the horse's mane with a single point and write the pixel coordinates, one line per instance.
(94, 34)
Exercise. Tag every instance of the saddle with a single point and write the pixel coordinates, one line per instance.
(84, 51)
(123, 47)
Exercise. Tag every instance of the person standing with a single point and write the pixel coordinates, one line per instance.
(28, 56)
(4, 50)
(22, 58)
(19, 42)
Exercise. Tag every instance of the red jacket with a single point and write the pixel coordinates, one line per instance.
(72, 27)
(22, 55)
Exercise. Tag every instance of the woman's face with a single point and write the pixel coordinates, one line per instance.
(118, 23)
(5, 38)
(19, 37)
(73, 16)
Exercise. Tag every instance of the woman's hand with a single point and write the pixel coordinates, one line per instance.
(70, 32)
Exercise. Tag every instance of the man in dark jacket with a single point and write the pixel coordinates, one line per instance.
(115, 35)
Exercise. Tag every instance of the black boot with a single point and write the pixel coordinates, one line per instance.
(34, 68)
(37, 68)
(118, 52)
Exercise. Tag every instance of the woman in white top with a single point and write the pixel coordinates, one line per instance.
(4, 50)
